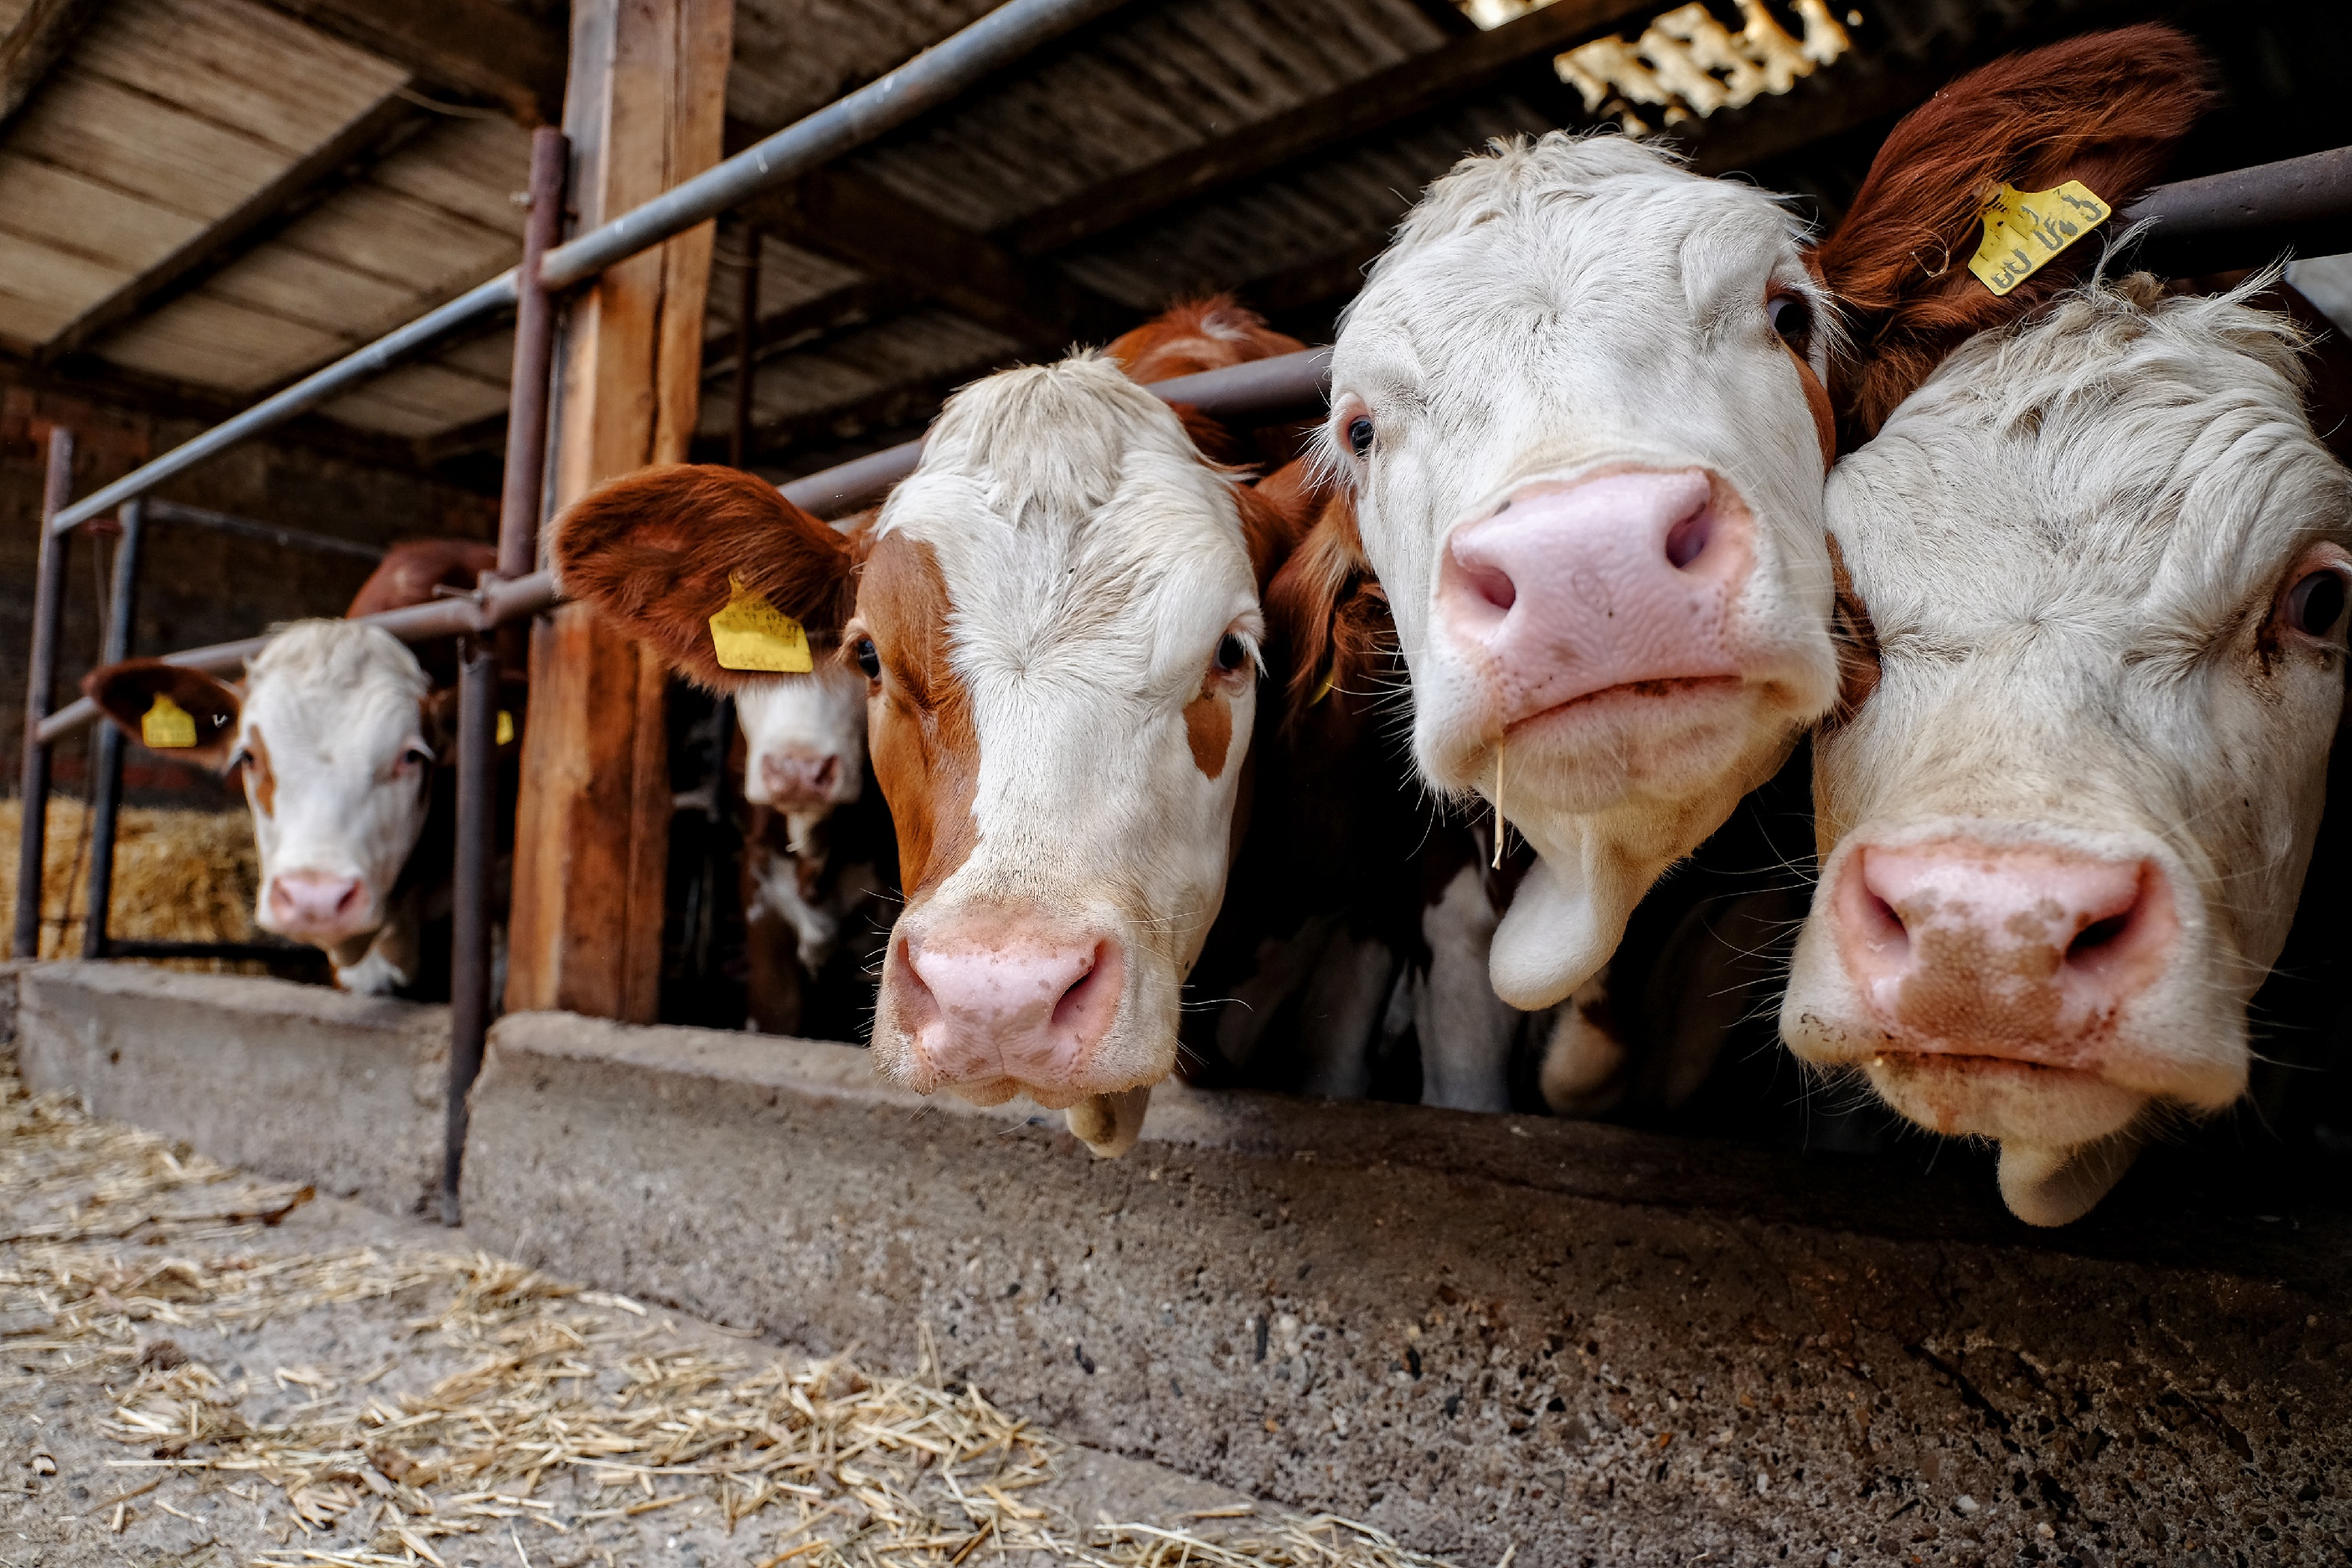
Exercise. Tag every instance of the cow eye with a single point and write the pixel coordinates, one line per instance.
(869, 658)
(1359, 435)
(2315, 604)
(416, 756)
(1231, 653)
(1793, 319)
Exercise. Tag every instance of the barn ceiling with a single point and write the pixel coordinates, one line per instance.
(209, 198)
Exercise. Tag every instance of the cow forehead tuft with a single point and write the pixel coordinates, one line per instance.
(319, 679)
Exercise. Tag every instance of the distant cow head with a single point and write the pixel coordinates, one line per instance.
(804, 738)
(1581, 405)
(336, 739)
(2062, 838)
(1056, 615)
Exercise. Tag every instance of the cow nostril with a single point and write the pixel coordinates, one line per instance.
(2097, 934)
(1885, 922)
(1689, 539)
(1492, 584)
(349, 901)
(1086, 1006)
(827, 772)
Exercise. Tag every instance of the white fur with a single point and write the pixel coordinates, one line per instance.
(1094, 563)
(1550, 310)
(336, 705)
(2070, 540)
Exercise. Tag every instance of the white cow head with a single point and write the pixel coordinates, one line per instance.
(804, 739)
(332, 734)
(1058, 619)
(2062, 841)
(1580, 406)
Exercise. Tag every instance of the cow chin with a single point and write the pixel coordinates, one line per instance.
(1645, 739)
(2003, 1099)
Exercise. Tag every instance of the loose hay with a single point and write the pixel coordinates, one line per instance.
(179, 876)
(821, 1463)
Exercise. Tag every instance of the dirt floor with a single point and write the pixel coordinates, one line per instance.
(201, 1368)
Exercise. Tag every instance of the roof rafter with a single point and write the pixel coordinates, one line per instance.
(477, 48)
(34, 47)
(258, 219)
(1357, 110)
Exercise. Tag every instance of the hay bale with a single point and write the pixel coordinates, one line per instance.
(179, 876)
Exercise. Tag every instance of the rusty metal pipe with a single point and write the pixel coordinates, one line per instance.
(106, 772)
(40, 676)
(2314, 188)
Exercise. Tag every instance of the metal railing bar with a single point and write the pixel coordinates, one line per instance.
(2316, 187)
(252, 528)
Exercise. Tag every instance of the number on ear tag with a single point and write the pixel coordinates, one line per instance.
(2024, 231)
(166, 726)
(506, 727)
(752, 634)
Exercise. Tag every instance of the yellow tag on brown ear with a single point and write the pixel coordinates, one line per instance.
(166, 726)
(506, 727)
(1330, 678)
(752, 634)
(2024, 231)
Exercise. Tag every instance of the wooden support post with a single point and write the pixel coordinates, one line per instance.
(645, 109)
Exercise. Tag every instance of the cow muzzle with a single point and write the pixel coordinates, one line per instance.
(323, 909)
(803, 780)
(1612, 590)
(993, 1008)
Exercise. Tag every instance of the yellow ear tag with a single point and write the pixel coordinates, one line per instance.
(1330, 678)
(752, 634)
(506, 727)
(166, 726)
(2024, 231)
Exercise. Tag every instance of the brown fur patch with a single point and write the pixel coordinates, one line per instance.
(654, 551)
(1209, 729)
(926, 752)
(124, 692)
(412, 569)
(1856, 638)
(1325, 613)
(2107, 109)
(1195, 336)
(260, 782)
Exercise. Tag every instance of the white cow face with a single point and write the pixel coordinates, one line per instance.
(1060, 618)
(332, 737)
(2063, 839)
(1581, 405)
(804, 738)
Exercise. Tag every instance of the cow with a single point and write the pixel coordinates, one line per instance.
(1583, 409)
(1057, 618)
(2107, 562)
(343, 741)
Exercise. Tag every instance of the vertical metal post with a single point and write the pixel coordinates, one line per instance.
(479, 656)
(48, 607)
(106, 774)
(747, 344)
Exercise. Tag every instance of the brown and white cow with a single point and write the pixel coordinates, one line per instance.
(1057, 618)
(1582, 408)
(340, 736)
(2062, 839)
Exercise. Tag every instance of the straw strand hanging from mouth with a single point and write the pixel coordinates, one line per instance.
(1498, 809)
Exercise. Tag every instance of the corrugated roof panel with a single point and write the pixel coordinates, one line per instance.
(207, 340)
(420, 400)
(471, 167)
(302, 285)
(61, 210)
(43, 289)
(793, 56)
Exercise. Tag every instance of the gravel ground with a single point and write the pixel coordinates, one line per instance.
(201, 1368)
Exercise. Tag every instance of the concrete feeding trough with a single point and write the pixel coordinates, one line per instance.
(1478, 1333)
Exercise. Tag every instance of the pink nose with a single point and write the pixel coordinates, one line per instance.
(2012, 952)
(1571, 590)
(796, 778)
(1009, 1004)
(315, 901)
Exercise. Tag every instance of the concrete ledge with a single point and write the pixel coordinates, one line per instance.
(295, 1081)
(1478, 1333)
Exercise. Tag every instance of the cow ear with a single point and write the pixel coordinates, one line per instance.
(1326, 617)
(2107, 109)
(660, 553)
(167, 708)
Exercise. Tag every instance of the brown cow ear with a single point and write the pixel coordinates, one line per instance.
(2107, 109)
(660, 553)
(182, 713)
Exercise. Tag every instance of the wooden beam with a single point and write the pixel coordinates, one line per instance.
(591, 840)
(474, 48)
(900, 405)
(858, 222)
(1429, 81)
(812, 320)
(259, 218)
(36, 44)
